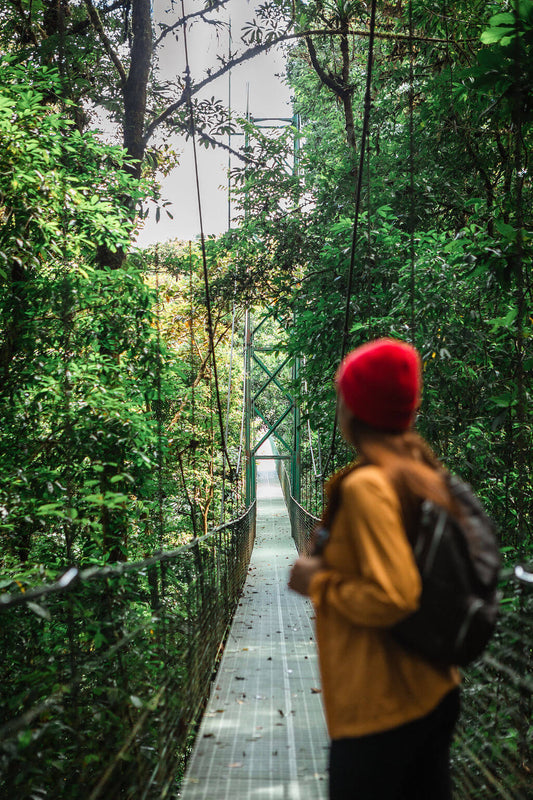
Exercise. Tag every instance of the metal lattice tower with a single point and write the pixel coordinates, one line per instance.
(274, 379)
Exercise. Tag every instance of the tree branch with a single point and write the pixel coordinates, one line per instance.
(262, 48)
(99, 28)
(82, 25)
(236, 153)
(326, 79)
(187, 18)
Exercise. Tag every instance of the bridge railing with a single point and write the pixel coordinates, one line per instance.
(104, 673)
(493, 755)
(302, 522)
(493, 751)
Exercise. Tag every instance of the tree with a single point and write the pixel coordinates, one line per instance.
(108, 56)
(61, 198)
(443, 232)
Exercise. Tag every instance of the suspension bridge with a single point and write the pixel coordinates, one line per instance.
(192, 674)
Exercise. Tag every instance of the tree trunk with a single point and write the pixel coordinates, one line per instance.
(346, 95)
(134, 93)
(338, 84)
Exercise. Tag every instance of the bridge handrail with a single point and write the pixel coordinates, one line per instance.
(106, 677)
(73, 575)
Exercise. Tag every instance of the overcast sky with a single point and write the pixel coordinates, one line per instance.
(268, 97)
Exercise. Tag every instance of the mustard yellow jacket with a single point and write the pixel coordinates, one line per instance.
(369, 682)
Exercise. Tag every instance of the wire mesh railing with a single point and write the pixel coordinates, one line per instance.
(114, 665)
(493, 752)
(302, 522)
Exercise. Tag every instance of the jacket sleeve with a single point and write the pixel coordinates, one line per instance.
(386, 586)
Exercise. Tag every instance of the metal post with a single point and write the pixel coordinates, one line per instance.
(296, 146)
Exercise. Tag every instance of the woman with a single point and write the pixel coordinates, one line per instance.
(390, 713)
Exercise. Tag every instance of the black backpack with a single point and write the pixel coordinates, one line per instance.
(459, 563)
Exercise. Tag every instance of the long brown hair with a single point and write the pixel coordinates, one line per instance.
(409, 463)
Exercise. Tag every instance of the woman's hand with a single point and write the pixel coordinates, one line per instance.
(302, 571)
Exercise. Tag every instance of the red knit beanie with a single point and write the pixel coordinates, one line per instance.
(381, 382)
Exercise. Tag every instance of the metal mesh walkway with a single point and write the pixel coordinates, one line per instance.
(263, 734)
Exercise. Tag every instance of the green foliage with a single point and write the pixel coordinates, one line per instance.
(197, 483)
(76, 339)
(442, 240)
(504, 68)
(52, 184)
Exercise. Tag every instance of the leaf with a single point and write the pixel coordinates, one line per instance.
(493, 35)
(24, 738)
(505, 18)
(505, 400)
(506, 230)
(48, 508)
(504, 322)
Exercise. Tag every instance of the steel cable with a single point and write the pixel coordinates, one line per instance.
(364, 136)
(202, 241)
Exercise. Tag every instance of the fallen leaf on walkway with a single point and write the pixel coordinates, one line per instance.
(314, 690)
(236, 764)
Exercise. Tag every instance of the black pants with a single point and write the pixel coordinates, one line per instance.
(411, 762)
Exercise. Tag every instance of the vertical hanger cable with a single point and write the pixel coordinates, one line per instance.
(202, 239)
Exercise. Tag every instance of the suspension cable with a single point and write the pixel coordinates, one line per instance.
(192, 503)
(159, 410)
(202, 239)
(519, 158)
(313, 459)
(364, 136)
(243, 413)
(228, 403)
(411, 178)
(228, 406)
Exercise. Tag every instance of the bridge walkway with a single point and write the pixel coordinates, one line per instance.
(263, 734)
